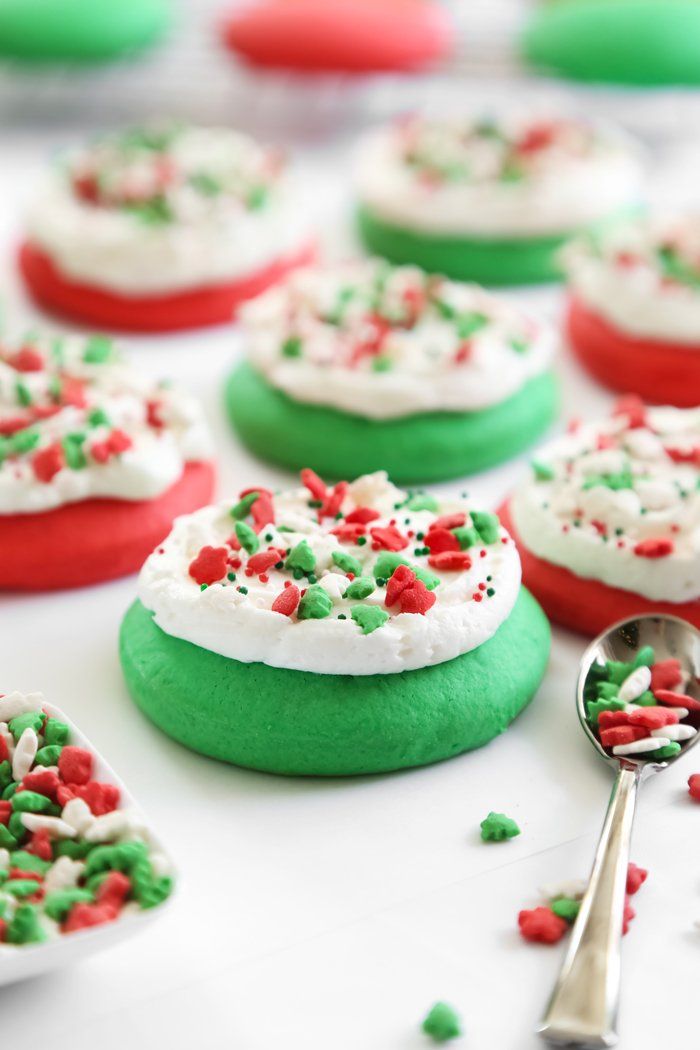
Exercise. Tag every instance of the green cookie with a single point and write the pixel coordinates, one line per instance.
(427, 447)
(79, 30)
(298, 723)
(645, 42)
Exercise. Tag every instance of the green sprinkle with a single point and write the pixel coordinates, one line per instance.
(615, 482)
(301, 559)
(422, 501)
(369, 617)
(360, 588)
(442, 1023)
(487, 525)
(470, 323)
(594, 708)
(542, 471)
(497, 827)
(257, 197)
(58, 904)
(21, 887)
(566, 908)
(618, 670)
(291, 347)
(246, 537)
(24, 861)
(467, 536)
(30, 802)
(98, 350)
(5, 774)
(31, 720)
(315, 604)
(645, 657)
(382, 363)
(346, 562)
(242, 508)
(98, 418)
(205, 183)
(56, 732)
(72, 445)
(7, 839)
(22, 393)
(25, 926)
(662, 753)
(521, 346)
(23, 441)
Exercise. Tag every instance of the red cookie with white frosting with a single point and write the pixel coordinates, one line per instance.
(96, 461)
(162, 228)
(633, 316)
(607, 525)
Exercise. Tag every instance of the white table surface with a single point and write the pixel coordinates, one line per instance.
(331, 914)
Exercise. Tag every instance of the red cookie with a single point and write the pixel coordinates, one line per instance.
(662, 373)
(100, 308)
(352, 36)
(584, 605)
(96, 539)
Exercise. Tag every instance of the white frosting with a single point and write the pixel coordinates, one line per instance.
(154, 460)
(210, 239)
(564, 519)
(420, 363)
(243, 627)
(444, 177)
(625, 278)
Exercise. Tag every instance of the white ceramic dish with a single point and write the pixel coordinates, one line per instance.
(18, 962)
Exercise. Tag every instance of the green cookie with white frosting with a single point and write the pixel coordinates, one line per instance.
(334, 631)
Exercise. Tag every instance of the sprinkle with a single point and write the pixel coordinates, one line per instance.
(497, 827)
(442, 1023)
(654, 548)
(247, 537)
(346, 562)
(541, 925)
(369, 617)
(315, 604)
(209, 566)
(360, 588)
(301, 559)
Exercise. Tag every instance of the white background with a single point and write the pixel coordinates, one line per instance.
(331, 914)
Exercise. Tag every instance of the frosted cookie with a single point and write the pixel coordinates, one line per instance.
(608, 523)
(96, 460)
(75, 31)
(75, 853)
(489, 200)
(330, 631)
(582, 40)
(161, 228)
(634, 308)
(362, 366)
(351, 36)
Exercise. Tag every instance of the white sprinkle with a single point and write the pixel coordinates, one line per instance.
(25, 753)
(629, 708)
(54, 825)
(112, 825)
(19, 704)
(635, 684)
(159, 864)
(77, 814)
(4, 858)
(64, 873)
(649, 743)
(674, 732)
(574, 888)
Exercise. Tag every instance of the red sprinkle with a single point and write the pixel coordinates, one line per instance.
(634, 408)
(334, 500)
(362, 516)
(438, 540)
(635, 877)
(449, 521)
(349, 533)
(541, 925)
(389, 538)
(115, 442)
(101, 798)
(75, 765)
(263, 511)
(401, 578)
(665, 696)
(210, 565)
(153, 415)
(4, 750)
(27, 360)
(456, 561)
(114, 890)
(47, 462)
(287, 600)
(622, 735)
(694, 786)
(627, 916)
(262, 561)
(81, 916)
(43, 781)
(654, 548)
(416, 599)
(665, 674)
(653, 717)
(40, 845)
(311, 481)
(5, 811)
(610, 719)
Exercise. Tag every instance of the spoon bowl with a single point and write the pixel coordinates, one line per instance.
(640, 727)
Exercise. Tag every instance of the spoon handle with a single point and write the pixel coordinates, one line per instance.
(583, 1008)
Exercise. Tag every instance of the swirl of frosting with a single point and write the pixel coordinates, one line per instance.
(384, 341)
(357, 579)
(516, 177)
(643, 276)
(158, 209)
(77, 422)
(619, 501)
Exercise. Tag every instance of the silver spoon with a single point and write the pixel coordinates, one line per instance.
(584, 1004)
